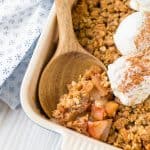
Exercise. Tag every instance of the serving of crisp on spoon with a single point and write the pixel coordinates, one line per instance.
(69, 61)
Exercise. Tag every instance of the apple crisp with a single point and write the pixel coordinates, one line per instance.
(89, 105)
(95, 22)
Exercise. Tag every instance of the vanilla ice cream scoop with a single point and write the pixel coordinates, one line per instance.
(140, 5)
(133, 33)
(130, 78)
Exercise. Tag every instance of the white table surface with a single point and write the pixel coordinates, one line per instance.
(18, 132)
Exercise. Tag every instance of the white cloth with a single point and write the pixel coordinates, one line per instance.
(21, 22)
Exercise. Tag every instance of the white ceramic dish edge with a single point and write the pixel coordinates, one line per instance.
(71, 139)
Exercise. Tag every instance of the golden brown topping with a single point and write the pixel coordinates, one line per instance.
(80, 124)
(131, 127)
(95, 22)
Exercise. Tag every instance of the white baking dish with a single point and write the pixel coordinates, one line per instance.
(43, 52)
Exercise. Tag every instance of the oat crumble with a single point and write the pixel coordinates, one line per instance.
(131, 127)
(95, 22)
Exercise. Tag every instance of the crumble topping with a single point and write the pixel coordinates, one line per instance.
(95, 22)
(131, 127)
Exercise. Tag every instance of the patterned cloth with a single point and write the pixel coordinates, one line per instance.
(21, 22)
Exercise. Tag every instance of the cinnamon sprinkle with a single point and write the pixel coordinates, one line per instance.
(139, 68)
(142, 40)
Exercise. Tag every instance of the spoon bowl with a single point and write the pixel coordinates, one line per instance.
(60, 72)
(69, 61)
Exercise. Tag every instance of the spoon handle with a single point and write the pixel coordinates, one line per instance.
(67, 38)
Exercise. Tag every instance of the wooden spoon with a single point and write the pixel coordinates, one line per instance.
(70, 61)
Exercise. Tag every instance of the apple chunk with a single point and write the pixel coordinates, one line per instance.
(111, 108)
(100, 129)
(98, 113)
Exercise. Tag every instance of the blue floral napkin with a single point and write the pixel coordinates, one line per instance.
(21, 22)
